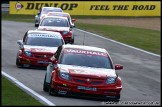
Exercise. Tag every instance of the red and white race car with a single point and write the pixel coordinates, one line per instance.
(37, 47)
(58, 24)
(85, 70)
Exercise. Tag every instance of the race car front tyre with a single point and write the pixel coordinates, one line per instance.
(45, 85)
(36, 25)
(72, 42)
(18, 64)
(51, 90)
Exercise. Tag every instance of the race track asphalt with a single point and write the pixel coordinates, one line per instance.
(140, 77)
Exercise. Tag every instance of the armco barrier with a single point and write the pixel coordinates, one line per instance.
(100, 8)
(5, 8)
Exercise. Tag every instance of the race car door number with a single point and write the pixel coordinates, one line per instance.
(87, 88)
(42, 62)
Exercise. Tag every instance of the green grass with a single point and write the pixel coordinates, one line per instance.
(14, 96)
(18, 18)
(145, 39)
(142, 38)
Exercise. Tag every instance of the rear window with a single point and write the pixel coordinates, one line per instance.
(43, 40)
(86, 58)
(57, 22)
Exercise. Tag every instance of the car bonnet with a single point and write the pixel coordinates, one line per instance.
(42, 49)
(87, 71)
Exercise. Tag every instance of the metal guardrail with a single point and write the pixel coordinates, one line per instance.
(5, 8)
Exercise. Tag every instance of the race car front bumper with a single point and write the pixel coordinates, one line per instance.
(28, 61)
(63, 87)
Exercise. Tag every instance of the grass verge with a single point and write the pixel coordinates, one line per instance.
(145, 39)
(148, 40)
(14, 96)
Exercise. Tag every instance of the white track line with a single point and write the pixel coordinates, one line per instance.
(27, 89)
(120, 43)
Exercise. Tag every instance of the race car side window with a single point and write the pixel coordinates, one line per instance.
(57, 54)
(25, 36)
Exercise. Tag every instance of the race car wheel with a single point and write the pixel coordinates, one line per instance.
(36, 25)
(72, 42)
(51, 90)
(45, 85)
(18, 64)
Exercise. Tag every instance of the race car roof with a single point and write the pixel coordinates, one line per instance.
(54, 34)
(83, 47)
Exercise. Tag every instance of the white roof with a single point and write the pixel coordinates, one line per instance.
(92, 48)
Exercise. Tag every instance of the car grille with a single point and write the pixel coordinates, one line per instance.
(42, 56)
(92, 81)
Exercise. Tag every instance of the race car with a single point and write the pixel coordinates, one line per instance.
(58, 24)
(37, 47)
(43, 11)
(83, 70)
(63, 14)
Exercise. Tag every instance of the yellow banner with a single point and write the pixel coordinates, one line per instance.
(101, 8)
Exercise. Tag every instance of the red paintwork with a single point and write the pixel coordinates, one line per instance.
(71, 86)
(33, 60)
(86, 77)
(67, 37)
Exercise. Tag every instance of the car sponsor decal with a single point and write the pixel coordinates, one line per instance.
(87, 52)
(102, 8)
(43, 35)
(78, 71)
(40, 50)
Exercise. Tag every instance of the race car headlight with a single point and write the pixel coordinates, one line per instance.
(65, 32)
(28, 53)
(111, 80)
(64, 75)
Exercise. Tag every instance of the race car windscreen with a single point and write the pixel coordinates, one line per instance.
(56, 22)
(86, 58)
(43, 40)
(61, 15)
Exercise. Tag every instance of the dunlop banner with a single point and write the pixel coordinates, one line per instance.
(102, 8)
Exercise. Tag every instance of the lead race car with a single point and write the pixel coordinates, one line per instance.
(43, 11)
(86, 70)
(37, 47)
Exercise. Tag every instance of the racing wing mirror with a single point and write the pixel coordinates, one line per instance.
(118, 67)
(38, 13)
(73, 20)
(20, 43)
(53, 60)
